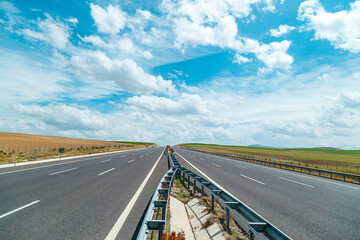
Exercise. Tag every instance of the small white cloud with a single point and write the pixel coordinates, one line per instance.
(240, 59)
(51, 31)
(341, 28)
(73, 20)
(143, 14)
(281, 30)
(96, 41)
(273, 54)
(110, 20)
(269, 6)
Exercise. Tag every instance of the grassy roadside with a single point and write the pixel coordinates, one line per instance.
(47, 153)
(324, 158)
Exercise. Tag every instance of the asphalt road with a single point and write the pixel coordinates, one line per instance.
(302, 206)
(77, 199)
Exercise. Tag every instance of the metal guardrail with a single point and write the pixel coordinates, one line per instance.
(252, 223)
(160, 199)
(291, 167)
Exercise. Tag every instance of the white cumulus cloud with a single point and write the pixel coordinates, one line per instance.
(215, 23)
(108, 20)
(341, 28)
(126, 73)
(51, 31)
(273, 54)
(281, 30)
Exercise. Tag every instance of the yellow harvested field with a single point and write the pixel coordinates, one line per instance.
(23, 140)
(16, 147)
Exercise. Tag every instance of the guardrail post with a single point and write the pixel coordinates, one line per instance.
(194, 187)
(227, 219)
(188, 183)
(212, 202)
(161, 229)
(251, 235)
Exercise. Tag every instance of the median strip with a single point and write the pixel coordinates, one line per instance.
(105, 172)
(67, 170)
(252, 179)
(18, 209)
(296, 182)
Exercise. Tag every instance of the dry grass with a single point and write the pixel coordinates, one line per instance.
(15, 147)
(180, 192)
(209, 221)
(29, 140)
(173, 236)
(235, 232)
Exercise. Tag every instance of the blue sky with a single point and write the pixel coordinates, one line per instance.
(271, 72)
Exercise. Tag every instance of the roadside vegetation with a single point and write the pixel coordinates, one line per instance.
(322, 158)
(15, 148)
(180, 191)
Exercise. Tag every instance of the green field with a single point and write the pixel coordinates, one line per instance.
(324, 158)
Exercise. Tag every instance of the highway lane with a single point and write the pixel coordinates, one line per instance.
(303, 206)
(78, 199)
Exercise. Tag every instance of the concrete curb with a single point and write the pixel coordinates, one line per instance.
(179, 219)
(62, 159)
(198, 215)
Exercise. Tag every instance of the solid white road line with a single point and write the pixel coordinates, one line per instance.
(120, 222)
(131, 161)
(216, 165)
(304, 176)
(241, 166)
(20, 208)
(105, 172)
(107, 160)
(63, 171)
(252, 179)
(296, 182)
(56, 164)
(314, 177)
